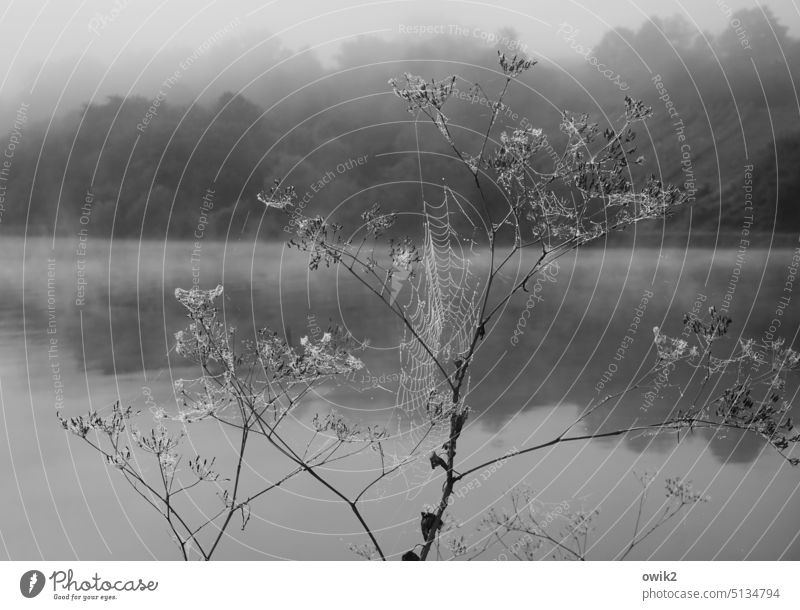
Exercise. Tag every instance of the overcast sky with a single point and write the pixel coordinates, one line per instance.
(36, 31)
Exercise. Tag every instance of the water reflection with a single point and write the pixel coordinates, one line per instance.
(585, 334)
(566, 355)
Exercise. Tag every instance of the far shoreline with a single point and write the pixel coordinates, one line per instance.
(651, 240)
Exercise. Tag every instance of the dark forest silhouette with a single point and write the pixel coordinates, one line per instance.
(308, 125)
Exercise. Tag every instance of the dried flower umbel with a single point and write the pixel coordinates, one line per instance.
(751, 398)
(248, 386)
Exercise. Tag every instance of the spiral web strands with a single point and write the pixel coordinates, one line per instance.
(443, 308)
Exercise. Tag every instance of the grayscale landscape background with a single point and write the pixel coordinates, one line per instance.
(105, 192)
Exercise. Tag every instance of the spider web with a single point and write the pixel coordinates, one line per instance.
(443, 308)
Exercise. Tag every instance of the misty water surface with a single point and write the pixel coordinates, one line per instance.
(118, 346)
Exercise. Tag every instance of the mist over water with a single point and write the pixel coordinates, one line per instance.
(139, 143)
(535, 389)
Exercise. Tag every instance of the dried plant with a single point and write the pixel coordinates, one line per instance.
(588, 192)
(534, 530)
(251, 388)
